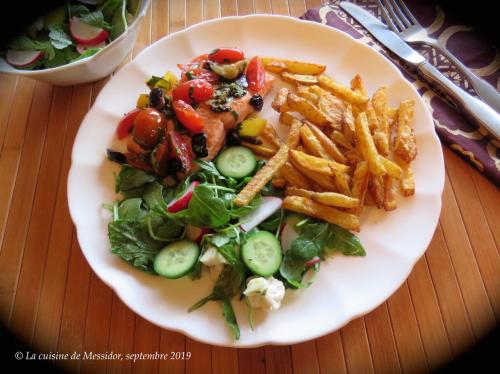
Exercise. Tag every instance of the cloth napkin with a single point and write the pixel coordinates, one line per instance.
(466, 139)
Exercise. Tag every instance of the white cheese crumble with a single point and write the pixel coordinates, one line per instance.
(265, 293)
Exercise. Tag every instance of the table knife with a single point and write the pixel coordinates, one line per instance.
(474, 110)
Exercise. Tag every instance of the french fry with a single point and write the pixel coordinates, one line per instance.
(405, 145)
(341, 181)
(279, 182)
(307, 80)
(376, 189)
(348, 127)
(279, 103)
(340, 139)
(325, 182)
(311, 208)
(367, 146)
(334, 108)
(325, 198)
(312, 143)
(260, 149)
(345, 93)
(382, 134)
(287, 118)
(296, 67)
(357, 85)
(293, 139)
(392, 115)
(391, 167)
(407, 183)
(390, 192)
(294, 177)
(328, 145)
(260, 179)
(269, 134)
(317, 164)
(371, 116)
(275, 67)
(308, 110)
(360, 185)
(303, 91)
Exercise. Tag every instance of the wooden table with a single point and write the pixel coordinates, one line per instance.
(51, 299)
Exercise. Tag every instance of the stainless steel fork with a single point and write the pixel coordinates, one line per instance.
(399, 18)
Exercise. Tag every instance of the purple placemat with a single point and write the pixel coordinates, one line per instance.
(467, 140)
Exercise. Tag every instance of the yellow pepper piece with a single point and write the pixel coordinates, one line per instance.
(167, 82)
(252, 126)
(142, 101)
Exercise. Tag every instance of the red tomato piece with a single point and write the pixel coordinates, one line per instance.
(256, 75)
(193, 91)
(180, 149)
(138, 161)
(159, 157)
(149, 127)
(127, 123)
(196, 73)
(226, 55)
(188, 116)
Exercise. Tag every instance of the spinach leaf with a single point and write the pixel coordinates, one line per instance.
(109, 7)
(228, 312)
(131, 178)
(292, 270)
(134, 245)
(59, 38)
(119, 21)
(344, 241)
(96, 19)
(237, 212)
(131, 210)
(89, 52)
(170, 230)
(153, 197)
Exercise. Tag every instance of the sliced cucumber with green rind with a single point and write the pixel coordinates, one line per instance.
(261, 253)
(176, 259)
(236, 162)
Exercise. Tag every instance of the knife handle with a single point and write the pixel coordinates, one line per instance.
(475, 110)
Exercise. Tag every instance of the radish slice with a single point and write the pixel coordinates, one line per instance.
(82, 48)
(269, 205)
(182, 201)
(22, 58)
(312, 261)
(288, 235)
(195, 234)
(85, 34)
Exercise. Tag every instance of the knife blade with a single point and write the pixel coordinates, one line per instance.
(475, 110)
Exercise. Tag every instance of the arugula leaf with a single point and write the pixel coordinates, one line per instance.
(153, 196)
(119, 21)
(131, 178)
(131, 210)
(78, 10)
(344, 241)
(89, 52)
(273, 222)
(59, 38)
(228, 313)
(26, 44)
(134, 245)
(96, 19)
(109, 7)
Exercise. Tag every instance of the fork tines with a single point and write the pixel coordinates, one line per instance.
(397, 16)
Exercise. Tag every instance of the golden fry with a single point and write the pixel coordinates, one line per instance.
(371, 116)
(312, 143)
(311, 208)
(345, 93)
(341, 180)
(407, 183)
(287, 118)
(390, 193)
(333, 108)
(382, 134)
(357, 85)
(376, 189)
(303, 91)
(325, 182)
(308, 110)
(307, 80)
(260, 179)
(294, 177)
(405, 145)
(326, 198)
(360, 185)
(348, 127)
(260, 149)
(269, 134)
(317, 164)
(279, 182)
(338, 138)
(392, 115)
(293, 139)
(367, 146)
(391, 167)
(296, 67)
(327, 144)
(279, 103)
(275, 67)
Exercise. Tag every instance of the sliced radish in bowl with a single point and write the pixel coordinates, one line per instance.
(81, 48)
(20, 58)
(269, 205)
(85, 34)
(182, 201)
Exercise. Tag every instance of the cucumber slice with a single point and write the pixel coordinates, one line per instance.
(261, 253)
(176, 259)
(236, 162)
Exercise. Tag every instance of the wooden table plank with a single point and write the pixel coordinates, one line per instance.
(305, 357)
(252, 360)
(278, 359)
(146, 341)
(357, 353)
(331, 357)
(121, 336)
(245, 7)
(8, 85)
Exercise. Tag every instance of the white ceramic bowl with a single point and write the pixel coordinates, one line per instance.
(90, 69)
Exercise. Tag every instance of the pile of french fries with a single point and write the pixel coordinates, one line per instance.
(344, 149)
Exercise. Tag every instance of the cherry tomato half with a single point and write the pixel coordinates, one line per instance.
(193, 91)
(226, 55)
(149, 128)
(202, 74)
(138, 161)
(196, 63)
(188, 116)
(180, 149)
(256, 75)
(127, 123)
(159, 157)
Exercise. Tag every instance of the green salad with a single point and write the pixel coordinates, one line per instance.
(69, 33)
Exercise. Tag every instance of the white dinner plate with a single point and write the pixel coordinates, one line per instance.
(346, 287)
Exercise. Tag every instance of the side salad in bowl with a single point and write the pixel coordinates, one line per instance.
(206, 183)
